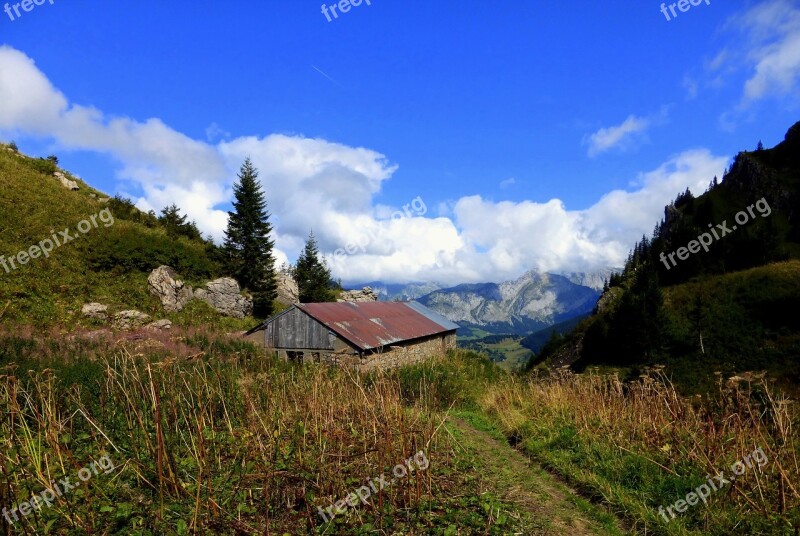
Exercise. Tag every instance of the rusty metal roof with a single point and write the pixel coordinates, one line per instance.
(370, 325)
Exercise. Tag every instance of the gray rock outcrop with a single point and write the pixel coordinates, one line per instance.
(173, 293)
(160, 325)
(364, 295)
(65, 182)
(224, 295)
(127, 320)
(288, 291)
(95, 310)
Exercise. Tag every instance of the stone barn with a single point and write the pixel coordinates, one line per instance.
(366, 335)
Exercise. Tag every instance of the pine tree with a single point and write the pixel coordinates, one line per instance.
(248, 244)
(172, 220)
(176, 225)
(312, 274)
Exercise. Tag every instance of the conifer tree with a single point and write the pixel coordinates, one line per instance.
(176, 225)
(312, 274)
(172, 220)
(248, 243)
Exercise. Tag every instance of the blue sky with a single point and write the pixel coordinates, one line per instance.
(541, 136)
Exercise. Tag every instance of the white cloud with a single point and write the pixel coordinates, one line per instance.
(626, 135)
(308, 179)
(622, 136)
(764, 51)
(508, 183)
(215, 132)
(332, 189)
(774, 31)
(167, 165)
(548, 236)
(491, 241)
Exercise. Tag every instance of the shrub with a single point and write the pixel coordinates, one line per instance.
(124, 209)
(130, 250)
(43, 166)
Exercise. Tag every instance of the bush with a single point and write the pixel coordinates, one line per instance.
(43, 166)
(13, 146)
(129, 250)
(124, 209)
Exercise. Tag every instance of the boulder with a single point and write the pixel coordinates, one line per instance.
(95, 310)
(224, 295)
(174, 294)
(364, 295)
(65, 182)
(160, 325)
(288, 291)
(127, 320)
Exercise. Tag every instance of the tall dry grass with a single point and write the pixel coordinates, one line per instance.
(208, 444)
(595, 429)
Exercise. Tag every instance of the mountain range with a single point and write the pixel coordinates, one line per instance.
(530, 303)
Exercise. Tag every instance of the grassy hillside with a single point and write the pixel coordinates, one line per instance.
(536, 341)
(747, 321)
(726, 310)
(109, 263)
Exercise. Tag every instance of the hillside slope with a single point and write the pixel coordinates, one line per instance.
(730, 309)
(109, 263)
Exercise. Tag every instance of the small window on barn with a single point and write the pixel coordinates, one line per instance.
(295, 356)
(315, 357)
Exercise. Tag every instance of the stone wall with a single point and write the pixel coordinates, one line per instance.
(405, 353)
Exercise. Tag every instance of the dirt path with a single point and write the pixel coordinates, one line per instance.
(554, 507)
